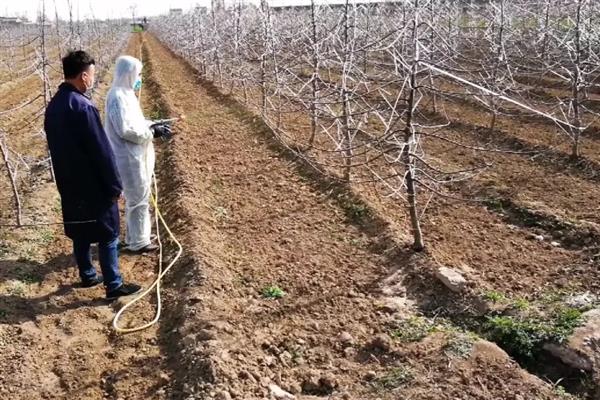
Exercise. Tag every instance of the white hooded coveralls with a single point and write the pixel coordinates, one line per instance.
(131, 139)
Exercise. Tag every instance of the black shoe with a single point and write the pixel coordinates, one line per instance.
(146, 249)
(92, 282)
(126, 289)
(124, 244)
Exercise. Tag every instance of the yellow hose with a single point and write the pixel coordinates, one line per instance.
(161, 273)
(156, 284)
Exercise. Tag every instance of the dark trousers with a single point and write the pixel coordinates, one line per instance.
(108, 255)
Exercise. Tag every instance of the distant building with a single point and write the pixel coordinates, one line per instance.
(175, 11)
(340, 4)
(11, 21)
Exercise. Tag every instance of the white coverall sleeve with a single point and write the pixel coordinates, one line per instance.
(127, 124)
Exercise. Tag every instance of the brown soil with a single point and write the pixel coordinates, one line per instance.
(251, 217)
(55, 339)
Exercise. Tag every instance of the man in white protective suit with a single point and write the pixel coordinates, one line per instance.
(130, 136)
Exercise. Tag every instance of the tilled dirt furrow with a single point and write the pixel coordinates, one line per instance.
(280, 285)
(56, 340)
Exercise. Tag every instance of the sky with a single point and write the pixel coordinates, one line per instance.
(104, 9)
(101, 8)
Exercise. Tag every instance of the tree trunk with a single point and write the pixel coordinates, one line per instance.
(409, 140)
(345, 96)
(13, 182)
(315, 76)
(575, 82)
(45, 78)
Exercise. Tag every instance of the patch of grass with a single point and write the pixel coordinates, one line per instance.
(551, 297)
(57, 207)
(355, 211)
(357, 242)
(494, 296)
(16, 288)
(46, 236)
(460, 345)
(3, 313)
(412, 329)
(221, 213)
(519, 337)
(562, 393)
(4, 250)
(217, 186)
(395, 378)
(494, 204)
(521, 304)
(26, 254)
(29, 277)
(523, 336)
(273, 292)
(156, 114)
(566, 319)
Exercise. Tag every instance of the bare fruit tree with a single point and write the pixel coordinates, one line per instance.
(30, 58)
(354, 88)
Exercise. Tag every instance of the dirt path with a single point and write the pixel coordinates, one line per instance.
(253, 219)
(55, 339)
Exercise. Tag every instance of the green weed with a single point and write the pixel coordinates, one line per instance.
(460, 345)
(156, 114)
(46, 236)
(523, 336)
(521, 304)
(494, 296)
(395, 378)
(412, 329)
(355, 211)
(273, 292)
(16, 288)
(57, 207)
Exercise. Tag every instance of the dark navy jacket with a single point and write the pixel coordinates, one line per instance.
(84, 166)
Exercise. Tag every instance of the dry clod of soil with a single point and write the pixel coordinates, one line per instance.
(164, 377)
(451, 278)
(205, 334)
(223, 395)
(346, 339)
(583, 346)
(349, 352)
(381, 343)
(189, 340)
(295, 388)
(392, 305)
(322, 385)
(370, 375)
(280, 394)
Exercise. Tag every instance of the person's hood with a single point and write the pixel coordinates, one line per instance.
(127, 69)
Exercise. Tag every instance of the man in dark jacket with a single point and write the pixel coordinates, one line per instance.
(86, 176)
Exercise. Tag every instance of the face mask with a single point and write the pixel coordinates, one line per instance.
(89, 89)
(137, 85)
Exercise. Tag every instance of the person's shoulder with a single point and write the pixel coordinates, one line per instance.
(81, 104)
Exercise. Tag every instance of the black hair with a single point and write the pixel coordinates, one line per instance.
(75, 62)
